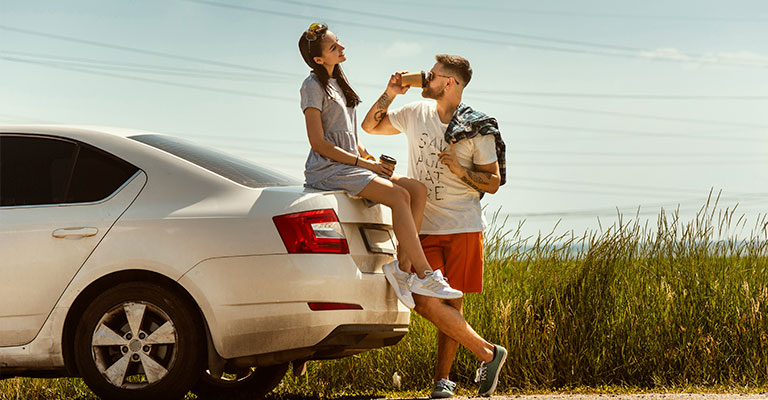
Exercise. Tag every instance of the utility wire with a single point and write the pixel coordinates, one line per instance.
(262, 77)
(535, 153)
(620, 96)
(624, 132)
(570, 109)
(714, 163)
(161, 82)
(570, 129)
(445, 35)
(442, 26)
(159, 69)
(686, 18)
(620, 114)
(137, 50)
(614, 211)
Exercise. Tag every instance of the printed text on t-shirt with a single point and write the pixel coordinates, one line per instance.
(428, 167)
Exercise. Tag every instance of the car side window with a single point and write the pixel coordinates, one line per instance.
(34, 170)
(97, 175)
(37, 170)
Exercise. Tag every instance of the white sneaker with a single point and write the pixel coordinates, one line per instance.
(399, 281)
(433, 284)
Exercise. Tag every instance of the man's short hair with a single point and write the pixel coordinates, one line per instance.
(456, 65)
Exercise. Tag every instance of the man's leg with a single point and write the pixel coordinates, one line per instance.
(451, 322)
(447, 347)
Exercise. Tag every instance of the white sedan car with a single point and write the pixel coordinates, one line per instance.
(150, 266)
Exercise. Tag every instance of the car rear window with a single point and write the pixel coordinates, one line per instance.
(228, 166)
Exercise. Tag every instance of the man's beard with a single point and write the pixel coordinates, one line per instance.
(429, 93)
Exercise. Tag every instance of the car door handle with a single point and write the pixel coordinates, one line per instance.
(74, 232)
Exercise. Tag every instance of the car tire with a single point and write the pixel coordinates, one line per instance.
(248, 383)
(139, 340)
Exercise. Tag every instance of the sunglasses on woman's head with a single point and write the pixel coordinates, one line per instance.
(311, 33)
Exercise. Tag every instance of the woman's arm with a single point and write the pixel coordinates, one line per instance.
(363, 151)
(314, 122)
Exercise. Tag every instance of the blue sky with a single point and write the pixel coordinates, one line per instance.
(602, 104)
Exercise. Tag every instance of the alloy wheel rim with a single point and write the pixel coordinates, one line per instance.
(134, 345)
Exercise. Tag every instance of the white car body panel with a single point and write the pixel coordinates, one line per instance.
(171, 229)
(27, 243)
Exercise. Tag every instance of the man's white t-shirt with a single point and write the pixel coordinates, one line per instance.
(452, 206)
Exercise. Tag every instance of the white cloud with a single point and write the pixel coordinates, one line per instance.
(402, 49)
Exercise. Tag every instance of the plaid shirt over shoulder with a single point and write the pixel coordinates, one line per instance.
(467, 123)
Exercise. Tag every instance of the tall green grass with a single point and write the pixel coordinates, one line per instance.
(674, 304)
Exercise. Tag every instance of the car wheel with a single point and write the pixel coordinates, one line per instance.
(245, 383)
(139, 340)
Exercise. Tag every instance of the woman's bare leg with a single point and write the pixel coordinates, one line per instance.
(418, 193)
(398, 199)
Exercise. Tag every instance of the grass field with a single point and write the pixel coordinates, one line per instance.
(675, 305)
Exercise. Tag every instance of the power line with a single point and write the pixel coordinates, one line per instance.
(424, 22)
(526, 152)
(600, 184)
(161, 82)
(685, 18)
(137, 50)
(444, 35)
(631, 210)
(621, 96)
(229, 75)
(157, 69)
(625, 132)
(623, 114)
(571, 129)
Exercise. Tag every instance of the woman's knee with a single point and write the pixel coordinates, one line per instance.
(397, 197)
(419, 191)
(416, 189)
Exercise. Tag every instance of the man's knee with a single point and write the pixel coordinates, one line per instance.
(425, 305)
(456, 303)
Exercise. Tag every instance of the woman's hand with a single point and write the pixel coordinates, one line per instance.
(377, 167)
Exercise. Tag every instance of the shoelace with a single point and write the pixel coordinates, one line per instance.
(445, 384)
(481, 373)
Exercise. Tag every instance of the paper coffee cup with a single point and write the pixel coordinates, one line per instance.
(414, 79)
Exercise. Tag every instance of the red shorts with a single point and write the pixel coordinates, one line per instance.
(459, 256)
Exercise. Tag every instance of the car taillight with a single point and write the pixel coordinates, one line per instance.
(317, 231)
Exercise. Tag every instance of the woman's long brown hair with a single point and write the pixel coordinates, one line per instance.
(311, 49)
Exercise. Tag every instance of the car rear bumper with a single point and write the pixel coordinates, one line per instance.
(258, 306)
(345, 340)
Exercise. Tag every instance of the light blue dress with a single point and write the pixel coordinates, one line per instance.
(340, 128)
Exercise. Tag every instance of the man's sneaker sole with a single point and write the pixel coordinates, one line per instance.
(389, 273)
(436, 295)
(437, 282)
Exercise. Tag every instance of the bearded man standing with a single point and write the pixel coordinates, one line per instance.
(458, 154)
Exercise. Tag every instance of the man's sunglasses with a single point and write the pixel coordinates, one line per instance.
(311, 33)
(431, 75)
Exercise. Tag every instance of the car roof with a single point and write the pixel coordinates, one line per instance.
(73, 131)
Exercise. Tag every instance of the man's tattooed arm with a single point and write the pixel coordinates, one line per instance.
(382, 104)
(477, 180)
(482, 181)
(375, 120)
